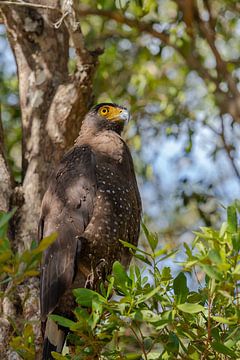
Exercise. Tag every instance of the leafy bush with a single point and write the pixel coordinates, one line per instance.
(147, 313)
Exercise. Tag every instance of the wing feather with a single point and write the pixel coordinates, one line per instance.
(67, 208)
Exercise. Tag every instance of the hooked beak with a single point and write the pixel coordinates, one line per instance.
(124, 115)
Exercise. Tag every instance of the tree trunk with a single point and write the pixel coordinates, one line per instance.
(53, 104)
(5, 175)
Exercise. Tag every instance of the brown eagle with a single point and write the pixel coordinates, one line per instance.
(92, 201)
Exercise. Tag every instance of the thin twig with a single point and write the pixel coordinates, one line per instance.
(22, 3)
(209, 336)
(69, 15)
(142, 337)
(228, 149)
(209, 318)
(208, 31)
(139, 342)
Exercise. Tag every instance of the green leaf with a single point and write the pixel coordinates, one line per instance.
(147, 316)
(222, 349)
(236, 241)
(120, 276)
(133, 356)
(188, 250)
(5, 256)
(151, 238)
(97, 312)
(131, 246)
(215, 257)
(168, 255)
(223, 320)
(180, 287)
(166, 274)
(142, 258)
(45, 243)
(148, 295)
(31, 273)
(172, 343)
(5, 217)
(58, 356)
(4, 245)
(110, 287)
(85, 297)
(232, 219)
(223, 229)
(62, 321)
(236, 271)
(211, 271)
(190, 308)
(194, 297)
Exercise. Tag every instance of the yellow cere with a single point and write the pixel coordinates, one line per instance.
(110, 112)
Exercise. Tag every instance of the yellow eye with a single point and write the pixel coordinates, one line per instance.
(104, 111)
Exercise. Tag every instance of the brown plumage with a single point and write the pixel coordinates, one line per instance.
(92, 202)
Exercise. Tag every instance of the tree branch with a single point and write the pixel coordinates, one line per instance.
(68, 9)
(32, 5)
(227, 103)
(228, 150)
(192, 61)
(120, 18)
(187, 9)
(206, 27)
(226, 147)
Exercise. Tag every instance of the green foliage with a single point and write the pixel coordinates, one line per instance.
(23, 342)
(149, 313)
(10, 115)
(15, 269)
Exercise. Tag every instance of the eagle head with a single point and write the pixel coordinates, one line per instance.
(108, 116)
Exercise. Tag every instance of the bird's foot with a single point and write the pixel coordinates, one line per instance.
(97, 275)
(101, 269)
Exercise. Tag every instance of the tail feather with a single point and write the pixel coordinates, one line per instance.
(47, 350)
(54, 338)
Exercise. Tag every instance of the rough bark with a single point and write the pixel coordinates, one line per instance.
(6, 308)
(5, 176)
(53, 104)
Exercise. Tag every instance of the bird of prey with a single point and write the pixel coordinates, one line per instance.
(92, 201)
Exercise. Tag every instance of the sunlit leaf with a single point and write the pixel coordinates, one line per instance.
(85, 297)
(45, 243)
(222, 349)
(62, 321)
(121, 278)
(232, 219)
(5, 217)
(190, 308)
(223, 320)
(152, 238)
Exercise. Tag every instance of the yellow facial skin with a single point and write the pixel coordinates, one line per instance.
(113, 113)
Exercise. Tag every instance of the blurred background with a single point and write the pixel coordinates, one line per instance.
(176, 66)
